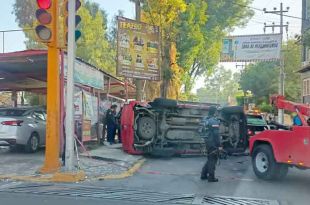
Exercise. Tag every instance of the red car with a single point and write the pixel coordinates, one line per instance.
(168, 127)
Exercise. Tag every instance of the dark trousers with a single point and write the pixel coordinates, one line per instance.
(208, 169)
(111, 131)
(119, 135)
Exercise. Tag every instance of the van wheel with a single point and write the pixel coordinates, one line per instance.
(264, 164)
(33, 143)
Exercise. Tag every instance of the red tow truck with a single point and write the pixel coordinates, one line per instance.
(274, 151)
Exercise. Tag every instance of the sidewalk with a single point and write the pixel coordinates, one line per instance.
(99, 163)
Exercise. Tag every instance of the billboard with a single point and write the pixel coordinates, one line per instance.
(85, 74)
(138, 50)
(251, 48)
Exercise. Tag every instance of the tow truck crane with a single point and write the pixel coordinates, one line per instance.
(274, 151)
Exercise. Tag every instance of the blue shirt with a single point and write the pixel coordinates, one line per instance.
(297, 121)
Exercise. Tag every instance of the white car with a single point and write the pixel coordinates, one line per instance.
(23, 127)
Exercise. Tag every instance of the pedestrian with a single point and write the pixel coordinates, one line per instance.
(297, 120)
(111, 124)
(212, 138)
(118, 120)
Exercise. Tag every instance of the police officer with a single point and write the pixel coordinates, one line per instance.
(111, 124)
(211, 135)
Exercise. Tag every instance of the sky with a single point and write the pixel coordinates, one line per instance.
(14, 41)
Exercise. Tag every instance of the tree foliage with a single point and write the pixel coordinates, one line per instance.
(197, 28)
(165, 14)
(221, 87)
(202, 27)
(262, 78)
(292, 63)
(93, 46)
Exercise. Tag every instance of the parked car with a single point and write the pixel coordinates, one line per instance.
(168, 127)
(256, 124)
(23, 127)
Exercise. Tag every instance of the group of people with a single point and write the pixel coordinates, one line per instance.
(112, 122)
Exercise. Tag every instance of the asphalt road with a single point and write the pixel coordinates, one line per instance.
(174, 176)
(181, 175)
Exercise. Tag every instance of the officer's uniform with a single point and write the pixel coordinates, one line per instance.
(212, 138)
(111, 126)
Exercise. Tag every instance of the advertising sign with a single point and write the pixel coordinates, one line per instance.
(251, 48)
(85, 74)
(78, 102)
(138, 50)
(88, 106)
(86, 131)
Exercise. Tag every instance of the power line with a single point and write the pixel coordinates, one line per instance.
(258, 9)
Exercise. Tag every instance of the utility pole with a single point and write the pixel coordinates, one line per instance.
(138, 81)
(70, 86)
(281, 77)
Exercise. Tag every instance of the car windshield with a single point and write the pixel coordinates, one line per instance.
(256, 120)
(12, 112)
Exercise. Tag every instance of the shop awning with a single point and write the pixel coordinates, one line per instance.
(27, 71)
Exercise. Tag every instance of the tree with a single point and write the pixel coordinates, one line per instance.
(196, 27)
(220, 87)
(113, 29)
(262, 78)
(165, 14)
(24, 11)
(93, 46)
(202, 27)
(292, 63)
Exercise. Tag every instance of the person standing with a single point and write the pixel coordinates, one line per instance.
(111, 124)
(118, 120)
(212, 138)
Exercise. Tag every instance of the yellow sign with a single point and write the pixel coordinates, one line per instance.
(138, 50)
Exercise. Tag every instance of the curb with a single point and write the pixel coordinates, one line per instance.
(57, 177)
(73, 177)
(125, 174)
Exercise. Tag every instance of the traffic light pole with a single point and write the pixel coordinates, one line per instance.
(51, 163)
(70, 88)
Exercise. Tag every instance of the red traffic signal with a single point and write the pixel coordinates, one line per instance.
(44, 4)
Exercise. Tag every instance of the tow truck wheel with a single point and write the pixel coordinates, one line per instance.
(264, 164)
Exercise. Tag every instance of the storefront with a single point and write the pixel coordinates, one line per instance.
(95, 90)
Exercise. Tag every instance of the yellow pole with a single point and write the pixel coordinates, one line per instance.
(51, 163)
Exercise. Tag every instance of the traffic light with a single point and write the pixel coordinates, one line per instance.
(46, 16)
(78, 19)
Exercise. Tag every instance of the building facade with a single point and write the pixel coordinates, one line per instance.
(305, 71)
